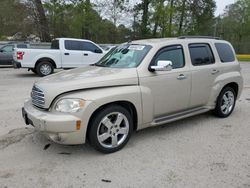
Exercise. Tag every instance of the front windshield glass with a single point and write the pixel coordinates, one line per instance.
(124, 56)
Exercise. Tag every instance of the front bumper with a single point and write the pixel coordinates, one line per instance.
(60, 128)
(17, 65)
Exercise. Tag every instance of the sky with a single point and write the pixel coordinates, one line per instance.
(221, 4)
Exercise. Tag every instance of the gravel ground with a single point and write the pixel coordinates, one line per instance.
(201, 151)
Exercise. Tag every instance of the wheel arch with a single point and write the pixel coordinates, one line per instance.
(234, 86)
(47, 59)
(125, 104)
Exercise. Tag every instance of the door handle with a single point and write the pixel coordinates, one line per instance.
(181, 77)
(85, 54)
(214, 71)
(66, 53)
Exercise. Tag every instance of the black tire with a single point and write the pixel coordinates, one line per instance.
(97, 127)
(218, 111)
(41, 65)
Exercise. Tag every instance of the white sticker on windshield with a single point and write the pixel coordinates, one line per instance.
(136, 47)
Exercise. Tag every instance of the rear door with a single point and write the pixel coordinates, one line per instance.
(72, 54)
(204, 72)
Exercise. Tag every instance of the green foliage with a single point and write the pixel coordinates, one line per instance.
(13, 17)
(100, 20)
(80, 20)
(234, 26)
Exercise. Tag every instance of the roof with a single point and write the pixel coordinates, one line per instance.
(159, 41)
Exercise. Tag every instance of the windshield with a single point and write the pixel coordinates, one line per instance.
(124, 56)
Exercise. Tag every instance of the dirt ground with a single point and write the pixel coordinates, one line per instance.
(201, 151)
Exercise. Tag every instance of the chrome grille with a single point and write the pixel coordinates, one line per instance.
(37, 96)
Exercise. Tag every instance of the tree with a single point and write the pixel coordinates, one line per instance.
(42, 21)
(13, 18)
(234, 25)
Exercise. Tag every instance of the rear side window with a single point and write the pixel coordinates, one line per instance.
(225, 52)
(73, 45)
(21, 46)
(201, 54)
(172, 53)
(88, 46)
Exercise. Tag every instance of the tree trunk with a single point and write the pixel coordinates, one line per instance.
(43, 23)
(144, 30)
(157, 18)
(170, 18)
(183, 8)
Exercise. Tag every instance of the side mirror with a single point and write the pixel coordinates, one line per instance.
(1, 51)
(162, 65)
(99, 51)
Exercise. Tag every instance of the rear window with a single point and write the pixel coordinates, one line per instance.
(21, 46)
(201, 54)
(225, 52)
(55, 44)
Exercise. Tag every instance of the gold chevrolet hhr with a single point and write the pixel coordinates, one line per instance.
(136, 85)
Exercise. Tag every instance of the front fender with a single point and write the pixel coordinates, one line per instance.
(103, 96)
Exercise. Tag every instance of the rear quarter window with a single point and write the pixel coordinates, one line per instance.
(225, 52)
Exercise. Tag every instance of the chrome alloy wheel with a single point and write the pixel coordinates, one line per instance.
(113, 130)
(227, 102)
(45, 69)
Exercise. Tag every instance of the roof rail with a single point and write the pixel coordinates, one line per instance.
(199, 37)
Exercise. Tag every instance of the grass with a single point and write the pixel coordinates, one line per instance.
(243, 57)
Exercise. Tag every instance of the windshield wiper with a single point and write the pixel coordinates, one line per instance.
(99, 65)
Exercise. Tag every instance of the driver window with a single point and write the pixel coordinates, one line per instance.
(172, 53)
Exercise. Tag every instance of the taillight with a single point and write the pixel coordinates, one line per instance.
(20, 55)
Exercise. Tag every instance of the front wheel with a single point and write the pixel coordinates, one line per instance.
(110, 129)
(225, 102)
(44, 68)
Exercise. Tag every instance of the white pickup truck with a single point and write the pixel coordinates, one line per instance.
(64, 53)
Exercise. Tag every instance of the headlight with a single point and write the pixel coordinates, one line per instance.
(69, 105)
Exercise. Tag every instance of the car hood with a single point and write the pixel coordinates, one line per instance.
(85, 78)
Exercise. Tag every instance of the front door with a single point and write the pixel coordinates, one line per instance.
(6, 55)
(92, 53)
(170, 89)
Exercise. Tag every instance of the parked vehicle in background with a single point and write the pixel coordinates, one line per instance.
(107, 47)
(140, 84)
(6, 52)
(64, 53)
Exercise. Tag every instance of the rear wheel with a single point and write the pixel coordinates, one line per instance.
(110, 129)
(225, 102)
(44, 68)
